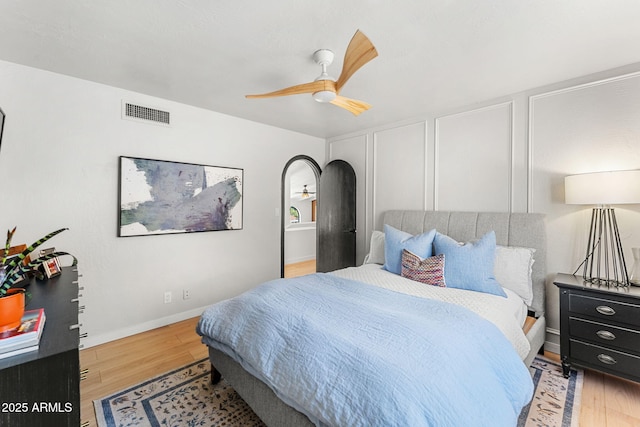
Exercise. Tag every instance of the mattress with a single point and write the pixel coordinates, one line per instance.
(508, 314)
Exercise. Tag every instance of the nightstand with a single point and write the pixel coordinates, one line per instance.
(599, 327)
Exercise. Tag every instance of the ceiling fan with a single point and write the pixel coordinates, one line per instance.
(325, 88)
(305, 193)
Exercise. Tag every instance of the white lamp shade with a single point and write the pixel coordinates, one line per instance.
(603, 188)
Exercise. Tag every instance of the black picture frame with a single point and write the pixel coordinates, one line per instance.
(2, 116)
(166, 197)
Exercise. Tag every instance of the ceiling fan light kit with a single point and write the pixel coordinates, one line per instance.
(326, 89)
(324, 58)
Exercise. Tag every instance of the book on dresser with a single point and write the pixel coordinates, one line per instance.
(24, 338)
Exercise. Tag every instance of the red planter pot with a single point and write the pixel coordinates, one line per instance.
(11, 309)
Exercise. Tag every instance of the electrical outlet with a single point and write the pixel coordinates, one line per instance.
(167, 297)
(186, 294)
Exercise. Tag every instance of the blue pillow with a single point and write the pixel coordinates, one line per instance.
(395, 241)
(469, 266)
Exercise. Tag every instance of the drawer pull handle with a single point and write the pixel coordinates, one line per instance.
(605, 358)
(606, 335)
(606, 310)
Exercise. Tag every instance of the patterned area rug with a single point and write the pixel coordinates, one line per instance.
(556, 399)
(186, 397)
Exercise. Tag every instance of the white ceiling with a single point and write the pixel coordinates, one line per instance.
(433, 54)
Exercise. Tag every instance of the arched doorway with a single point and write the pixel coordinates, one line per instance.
(296, 199)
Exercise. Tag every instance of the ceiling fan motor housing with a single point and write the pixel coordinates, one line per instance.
(324, 58)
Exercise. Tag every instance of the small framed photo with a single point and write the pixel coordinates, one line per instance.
(52, 267)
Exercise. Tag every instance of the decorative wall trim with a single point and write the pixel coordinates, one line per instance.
(425, 175)
(531, 116)
(436, 144)
(400, 125)
(511, 154)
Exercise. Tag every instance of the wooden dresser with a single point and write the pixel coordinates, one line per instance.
(599, 327)
(41, 388)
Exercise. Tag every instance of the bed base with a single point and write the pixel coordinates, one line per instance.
(264, 402)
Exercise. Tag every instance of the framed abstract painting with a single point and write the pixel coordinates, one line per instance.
(164, 197)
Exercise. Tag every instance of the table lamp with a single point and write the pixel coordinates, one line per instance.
(604, 261)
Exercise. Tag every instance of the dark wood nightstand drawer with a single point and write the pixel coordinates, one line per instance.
(605, 309)
(606, 335)
(605, 359)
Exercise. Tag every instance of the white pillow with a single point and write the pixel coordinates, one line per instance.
(376, 249)
(513, 268)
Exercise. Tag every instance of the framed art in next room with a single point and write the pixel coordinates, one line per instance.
(163, 197)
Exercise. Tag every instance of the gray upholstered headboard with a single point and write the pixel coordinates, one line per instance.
(512, 229)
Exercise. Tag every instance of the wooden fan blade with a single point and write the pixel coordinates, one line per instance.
(353, 105)
(359, 52)
(298, 89)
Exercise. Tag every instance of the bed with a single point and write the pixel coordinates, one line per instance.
(425, 373)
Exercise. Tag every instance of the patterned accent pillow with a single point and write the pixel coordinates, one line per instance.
(428, 270)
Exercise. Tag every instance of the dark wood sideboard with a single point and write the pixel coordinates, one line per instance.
(42, 388)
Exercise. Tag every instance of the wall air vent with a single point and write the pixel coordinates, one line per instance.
(145, 114)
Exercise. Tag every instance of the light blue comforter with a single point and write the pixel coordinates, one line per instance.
(350, 354)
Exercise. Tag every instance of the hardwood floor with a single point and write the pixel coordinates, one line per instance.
(300, 268)
(607, 401)
(118, 364)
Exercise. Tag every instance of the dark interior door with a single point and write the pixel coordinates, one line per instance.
(336, 225)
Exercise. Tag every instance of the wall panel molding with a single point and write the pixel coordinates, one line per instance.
(469, 160)
(531, 120)
(399, 168)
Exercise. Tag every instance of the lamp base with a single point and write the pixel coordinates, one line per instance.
(598, 281)
(604, 262)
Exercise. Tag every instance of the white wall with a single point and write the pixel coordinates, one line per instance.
(59, 168)
(300, 243)
(508, 154)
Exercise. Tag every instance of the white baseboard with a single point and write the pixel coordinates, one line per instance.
(299, 259)
(552, 347)
(92, 341)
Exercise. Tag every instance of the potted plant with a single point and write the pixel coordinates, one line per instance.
(12, 271)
